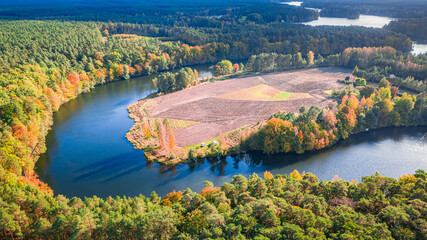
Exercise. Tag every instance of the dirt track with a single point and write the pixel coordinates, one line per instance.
(216, 115)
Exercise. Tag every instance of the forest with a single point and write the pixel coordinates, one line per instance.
(340, 12)
(295, 206)
(161, 12)
(242, 41)
(48, 57)
(415, 28)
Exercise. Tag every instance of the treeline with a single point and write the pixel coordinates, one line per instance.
(270, 12)
(295, 206)
(267, 62)
(415, 28)
(174, 81)
(314, 128)
(241, 41)
(264, 62)
(189, 13)
(340, 12)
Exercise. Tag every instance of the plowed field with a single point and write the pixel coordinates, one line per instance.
(222, 106)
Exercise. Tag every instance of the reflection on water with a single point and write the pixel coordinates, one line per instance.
(88, 153)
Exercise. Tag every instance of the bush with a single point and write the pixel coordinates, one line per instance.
(360, 82)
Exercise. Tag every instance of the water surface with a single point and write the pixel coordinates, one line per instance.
(297, 4)
(363, 21)
(88, 153)
(419, 48)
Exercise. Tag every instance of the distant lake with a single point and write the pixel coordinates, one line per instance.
(364, 21)
(88, 154)
(418, 48)
(297, 4)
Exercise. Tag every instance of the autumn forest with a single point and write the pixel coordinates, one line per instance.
(274, 86)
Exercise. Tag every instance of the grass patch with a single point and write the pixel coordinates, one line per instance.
(208, 142)
(260, 92)
(329, 92)
(263, 92)
(198, 145)
(282, 96)
(175, 124)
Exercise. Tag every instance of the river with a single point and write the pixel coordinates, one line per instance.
(88, 154)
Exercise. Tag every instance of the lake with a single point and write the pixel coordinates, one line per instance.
(88, 154)
(296, 4)
(419, 48)
(363, 20)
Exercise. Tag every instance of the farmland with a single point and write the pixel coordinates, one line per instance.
(206, 111)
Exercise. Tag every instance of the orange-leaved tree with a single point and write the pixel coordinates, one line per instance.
(171, 139)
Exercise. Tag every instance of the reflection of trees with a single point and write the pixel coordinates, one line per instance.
(218, 164)
(256, 159)
(374, 136)
(163, 169)
(149, 164)
(196, 164)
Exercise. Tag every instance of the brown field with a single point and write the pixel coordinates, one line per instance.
(222, 106)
